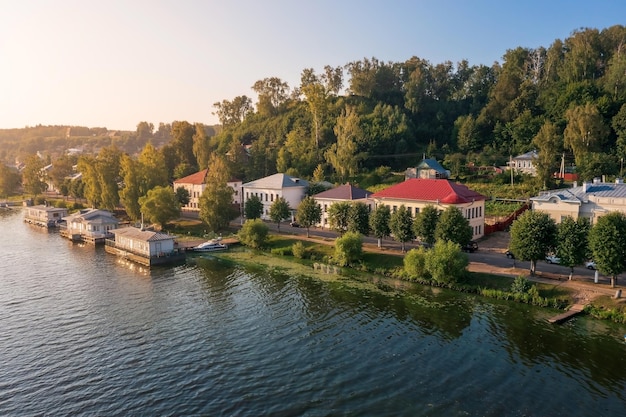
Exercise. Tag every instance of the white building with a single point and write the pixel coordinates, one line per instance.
(195, 185)
(342, 194)
(269, 189)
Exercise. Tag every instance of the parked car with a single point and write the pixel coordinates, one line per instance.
(294, 224)
(471, 246)
(553, 259)
(509, 254)
(590, 265)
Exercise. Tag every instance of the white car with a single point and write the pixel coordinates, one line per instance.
(590, 265)
(553, 259)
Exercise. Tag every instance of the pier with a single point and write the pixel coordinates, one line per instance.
(574, 310)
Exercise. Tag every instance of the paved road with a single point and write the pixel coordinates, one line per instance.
(489, 258)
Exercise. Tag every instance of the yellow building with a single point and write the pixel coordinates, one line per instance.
(590, 200)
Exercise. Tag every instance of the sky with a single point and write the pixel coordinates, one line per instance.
(115, 63)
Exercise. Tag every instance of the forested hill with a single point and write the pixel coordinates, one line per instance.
(567, 97)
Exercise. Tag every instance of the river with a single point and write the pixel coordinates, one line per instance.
(82, 333)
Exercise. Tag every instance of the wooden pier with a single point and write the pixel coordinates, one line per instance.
(574, 310)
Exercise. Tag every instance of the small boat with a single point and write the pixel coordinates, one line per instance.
(210, 246)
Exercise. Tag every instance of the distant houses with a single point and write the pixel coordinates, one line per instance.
(524, 163)
(269, 189)
(428, 169)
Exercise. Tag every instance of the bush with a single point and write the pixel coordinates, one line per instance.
(348, 249)
(254, 233)
(415, 264)
(520, 285)
(281, 251)
(299, 250)
(446, 262)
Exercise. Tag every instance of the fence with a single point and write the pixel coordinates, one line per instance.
(502, 225)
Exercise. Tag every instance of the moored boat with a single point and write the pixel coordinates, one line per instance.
(210, 246)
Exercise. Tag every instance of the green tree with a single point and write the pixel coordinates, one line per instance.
(108, 175)
(32, 175)
(607, 241)
(348, 248)
(160, 206)
(253, 233)
(131, 191)
(309, 213)
(425, 224)
(232, 113)
(585, 132)
(201, 146)
(445, 262)
(152, 168)
(216, 201)
(453, 227)
(379, 223)
(279, 211)
(342, 155)
(358, 218)
(572, 242)
(182, 196)
(533, 235)
(401, 225)
(548, 143)
(9, 180)
(61, 169)
(338, 215)
(253, 208)
(415, 263)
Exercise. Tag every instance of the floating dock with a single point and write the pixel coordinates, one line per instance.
(574, 310)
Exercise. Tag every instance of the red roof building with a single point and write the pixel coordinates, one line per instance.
(417, 193)
(195, 185)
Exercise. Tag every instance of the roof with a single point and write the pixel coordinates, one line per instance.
(92, 216)
(277, 182)
(49, 209)
(581, 194)
(432, 164)
(528, 155)
(436, 190)
(197, 178)
(344, 192)
(143, 235)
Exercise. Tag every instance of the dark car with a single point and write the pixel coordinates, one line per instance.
(509, 254)
(294, 224)
(471, 246)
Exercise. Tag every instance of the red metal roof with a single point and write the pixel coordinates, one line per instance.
(421, 189)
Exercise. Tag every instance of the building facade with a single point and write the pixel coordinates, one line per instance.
(417, 193)
(269, 189)
(195, 185)
(346, 193)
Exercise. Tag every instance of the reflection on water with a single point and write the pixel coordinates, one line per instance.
(84, 332)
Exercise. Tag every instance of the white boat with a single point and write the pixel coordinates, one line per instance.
(210, 246)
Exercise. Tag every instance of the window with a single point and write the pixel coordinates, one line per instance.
(394, 209)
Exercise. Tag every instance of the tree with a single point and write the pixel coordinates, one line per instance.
(31, 175)
(572, 242)
(445, 262)
(425, 224)
(358, 218)
(9, 180)
(279, 211)
(585, 131)
(271, 92)
(108, 175)
(343, 155)
(401, 225)
(216, 201)
(160, 206)
(253, 208)
(547, 142)
(182, 196)
(309, 213)
(338, 214)
(379, 222)
(131, 191)
(533, 235)
(201, 146)
(348, 248)
(253, 233)
(152, 169)
(232, 113)
(453, 227)
(61, 169)
(607, 241)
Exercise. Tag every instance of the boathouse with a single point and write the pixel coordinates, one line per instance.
(144, 247)
(89, 225)
(44, 215)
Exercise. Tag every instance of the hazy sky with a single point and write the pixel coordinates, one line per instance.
(114, 63)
